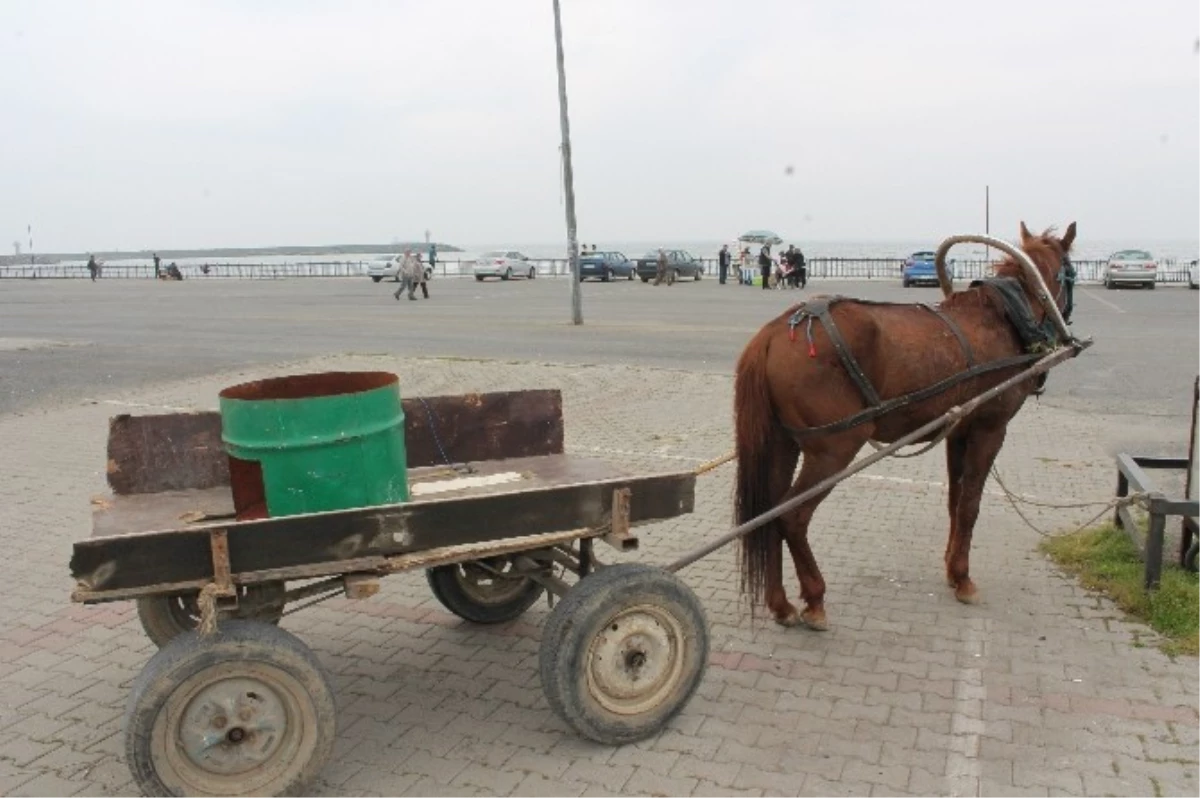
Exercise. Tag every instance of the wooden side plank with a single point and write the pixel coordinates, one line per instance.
(182, 555)
(175, 451)
(182, 451)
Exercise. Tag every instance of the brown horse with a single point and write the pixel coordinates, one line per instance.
(791, 380)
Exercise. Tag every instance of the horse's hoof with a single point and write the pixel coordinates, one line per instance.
(789, 619)
(815, 620)
(967, 594)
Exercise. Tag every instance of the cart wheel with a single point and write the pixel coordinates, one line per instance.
(246, 711)
(166, 617)
(1190, 559)
(483, 591)
(623, 652)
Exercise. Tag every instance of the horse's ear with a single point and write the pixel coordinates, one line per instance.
(1025, 236)
(1069, 237)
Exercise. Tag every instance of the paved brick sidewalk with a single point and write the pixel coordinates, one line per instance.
(1042, 689)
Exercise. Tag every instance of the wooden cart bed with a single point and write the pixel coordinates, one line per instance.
(170, 494)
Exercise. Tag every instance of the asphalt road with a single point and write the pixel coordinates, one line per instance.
(65, 341)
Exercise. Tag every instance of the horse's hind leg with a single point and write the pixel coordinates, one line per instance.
(817, 465)
(956, 450)
(981, 444)
(784, 454)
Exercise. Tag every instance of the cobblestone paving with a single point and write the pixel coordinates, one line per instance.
(1043, 689)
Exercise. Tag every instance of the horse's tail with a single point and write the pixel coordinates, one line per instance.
(755, 431)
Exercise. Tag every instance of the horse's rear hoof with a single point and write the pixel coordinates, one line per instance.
(967, 594)
(815, 620)
(789, 619)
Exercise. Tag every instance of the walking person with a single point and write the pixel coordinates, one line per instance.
(661, 272)
(801, 267)
(764, 265)
(93, 267)
(421, 276)
(432, 265)
(157, 268)
(1067, 276)
(723, 261)
(410, 275)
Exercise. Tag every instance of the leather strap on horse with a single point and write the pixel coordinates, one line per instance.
(819, 308)
(954, 328)
(889, 405)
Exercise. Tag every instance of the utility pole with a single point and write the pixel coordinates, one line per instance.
(568, 175)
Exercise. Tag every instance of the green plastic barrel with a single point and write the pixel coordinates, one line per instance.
(315, 442)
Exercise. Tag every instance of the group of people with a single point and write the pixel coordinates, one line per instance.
(412, 273)
(171, 272)
(789, 270)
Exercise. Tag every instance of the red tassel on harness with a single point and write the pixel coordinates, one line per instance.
(812, 349)
(792, 334)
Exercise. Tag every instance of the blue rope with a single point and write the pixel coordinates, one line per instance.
(433, 428)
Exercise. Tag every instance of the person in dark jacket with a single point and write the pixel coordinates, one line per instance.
(93, 267)
(764, 265)
(723, 261)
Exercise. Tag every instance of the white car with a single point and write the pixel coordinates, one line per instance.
(505, 264)
(390, 268)
(1130, 266)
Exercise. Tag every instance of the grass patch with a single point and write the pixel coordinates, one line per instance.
(1106, 560)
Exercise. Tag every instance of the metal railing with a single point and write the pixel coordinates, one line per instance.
(819, 268)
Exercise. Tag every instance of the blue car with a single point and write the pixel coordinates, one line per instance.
(918, 269)
(605, 266)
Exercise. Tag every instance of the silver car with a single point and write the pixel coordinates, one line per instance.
(390, 268)
(1130, 266)
(505, 264)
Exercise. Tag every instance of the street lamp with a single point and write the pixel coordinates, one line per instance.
(568, 175)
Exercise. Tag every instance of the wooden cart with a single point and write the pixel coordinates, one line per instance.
(232, 704)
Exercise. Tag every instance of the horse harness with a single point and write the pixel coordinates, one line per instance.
(1035, 338)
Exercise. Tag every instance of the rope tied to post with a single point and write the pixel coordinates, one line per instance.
(207, 603)
(1139, 498)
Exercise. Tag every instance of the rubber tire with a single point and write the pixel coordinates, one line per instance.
(479, 278)
(633, 273)
(581, 614)
(1109, 284)
(443, 581)
(905, 283)
(532, 273)
(428, 274)
(1150, 286)
(162, 625)
(645, 279)
(1191, 559)
(699, 274)
(507, 274)
(605, 276)
(376, 279)
(234, 642)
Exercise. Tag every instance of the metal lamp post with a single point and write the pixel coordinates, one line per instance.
(568, 175)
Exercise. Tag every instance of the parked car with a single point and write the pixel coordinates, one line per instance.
(919, 269)
(605, 266)
(505, 265)
(1193, 282)
(389, 268)
(1130, 266)
(683, 263)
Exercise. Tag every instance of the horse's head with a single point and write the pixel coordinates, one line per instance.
(1051, 255)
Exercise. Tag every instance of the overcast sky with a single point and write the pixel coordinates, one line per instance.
(183, 124)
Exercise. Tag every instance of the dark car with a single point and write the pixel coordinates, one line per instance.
(605, 266)
(684, 264)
